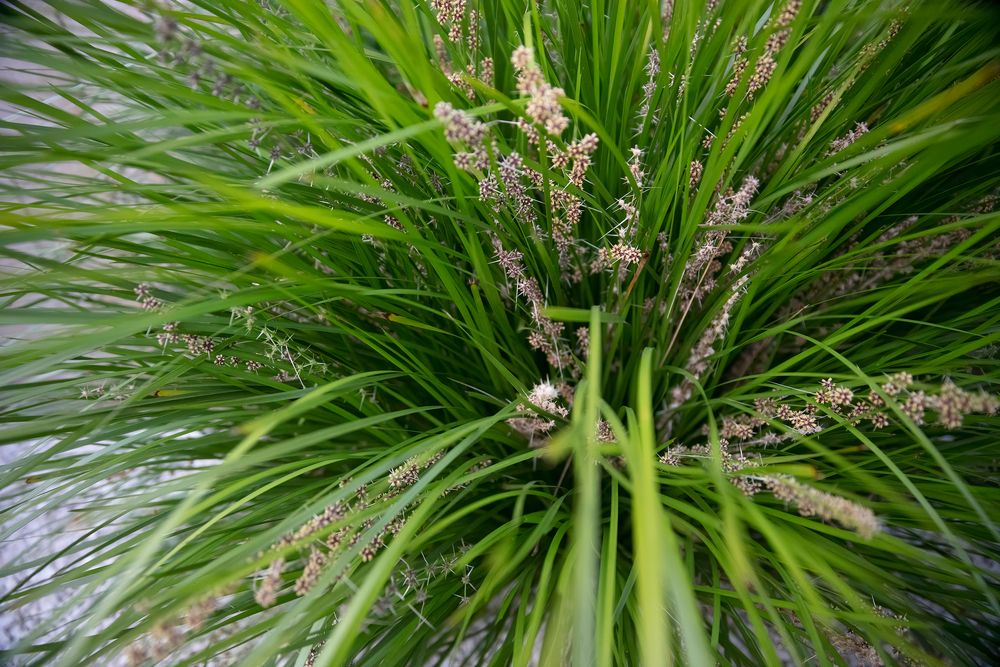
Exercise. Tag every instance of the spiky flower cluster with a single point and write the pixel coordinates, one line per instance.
(812, 502)
(452, 12)
(761, 74)
(837, 145)
(511, 170)
(698, 361)
(544, 396)
(167, 635)
(649, 88)
(732, 207)
(603, 432)
(850, 642)
(788, 13)
(461, 128)
(696, 171)
(868, 53)
(766, 64)
(579, 153)
(198, 345)
(486, 71)
(700, 272)
(314, 567)
(267, 594)
(830, 400)
(405, 475)
(626, 254)
(739, 67)
(322, 540)
(545, 112)
(740, 471)
(149, 302)
(835, 401)
(868, 269)
(543, 108)
(809, 501)
(547, 337)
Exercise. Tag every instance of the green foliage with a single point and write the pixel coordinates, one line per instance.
(334, 364)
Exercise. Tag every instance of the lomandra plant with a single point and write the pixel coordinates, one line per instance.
(502, 333)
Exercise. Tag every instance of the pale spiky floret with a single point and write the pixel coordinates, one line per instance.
(812, 502)
(545, 396)
(313, 568)
(761, 74)
(405, 475)
(267, 593)
(837, 145)
(626, 254)
(543, 393)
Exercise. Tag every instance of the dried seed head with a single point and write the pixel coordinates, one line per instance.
(369, 550)
(267, 594)
(762, 74)
(604, 432)
(625, 253)
(310, 574)
(788, 13)
(405, 475)
(914, 407)
(841, 396)
(739, 67)
(136, 654)
(696, 171)
(838, 145)
(812, 502)
(522, 58)
(777, 40)
(672, 456)
(199, 611)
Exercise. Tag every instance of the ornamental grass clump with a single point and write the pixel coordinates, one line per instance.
(500, 333)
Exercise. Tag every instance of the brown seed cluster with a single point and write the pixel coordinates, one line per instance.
(696, 171)
(739, 67)
(761, 74)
